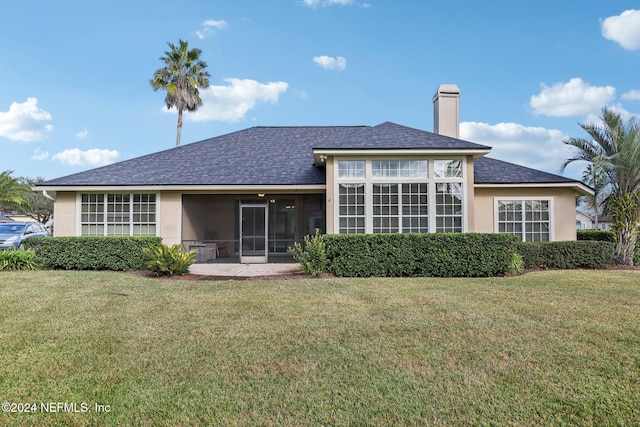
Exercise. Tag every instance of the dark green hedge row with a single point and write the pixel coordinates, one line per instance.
(91, 253)
(607, 236)
(599, 235)
(413, 254)
(567, 255)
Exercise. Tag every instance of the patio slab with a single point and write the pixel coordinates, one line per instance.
(244, 270)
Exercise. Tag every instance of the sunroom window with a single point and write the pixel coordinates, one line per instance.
(400, 196)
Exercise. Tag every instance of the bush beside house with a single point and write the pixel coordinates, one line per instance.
(412, 254)
(567, 255)
(92, 253)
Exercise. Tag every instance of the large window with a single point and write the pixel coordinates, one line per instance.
(352, 209)
(118, 214)
(528, 219)
(400, 196)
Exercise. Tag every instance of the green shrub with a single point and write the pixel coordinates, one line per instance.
(599, 235)
(607, 236)
(18, 259)
(413, 254)
(91, 253)
(567, 255)
(165, 260)
(312, 255)
(517, 264)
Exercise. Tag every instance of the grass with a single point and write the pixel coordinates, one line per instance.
(553, 347)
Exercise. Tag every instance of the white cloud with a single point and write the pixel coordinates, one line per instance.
(209, 27)
(325, 3)
(231, 103)
(623, 29)
(632, 95)
(533, 147)
(82, 134)
(571, 99)
(330, 63)
(93, 157)
(38, 154)
(25, 122)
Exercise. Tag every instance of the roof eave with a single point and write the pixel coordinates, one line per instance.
(320, 155)
(243, 188)
(580, 188)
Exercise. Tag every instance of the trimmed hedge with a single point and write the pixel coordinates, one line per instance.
(607, 236)
(413, 254)
(567, 255)
(92, 253)
(598, 235)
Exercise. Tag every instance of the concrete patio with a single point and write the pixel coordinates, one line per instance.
(244, 270)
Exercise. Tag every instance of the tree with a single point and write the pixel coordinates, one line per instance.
(182, 76)
(614, 147)
(41, 205)
(13, 194)
(594, 177)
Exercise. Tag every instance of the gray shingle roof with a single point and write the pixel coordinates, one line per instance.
(283, 156)
(491, 171)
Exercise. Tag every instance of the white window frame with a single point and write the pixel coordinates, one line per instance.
(496, 214)
(430, 180)
(105, 223)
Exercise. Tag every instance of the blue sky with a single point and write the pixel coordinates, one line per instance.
(75, 90)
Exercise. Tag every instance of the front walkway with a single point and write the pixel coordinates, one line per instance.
(244, 270)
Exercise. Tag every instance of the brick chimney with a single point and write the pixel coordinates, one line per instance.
(446, 111)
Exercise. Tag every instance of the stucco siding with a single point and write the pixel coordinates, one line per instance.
(65, 215)
(564, 208)
(170, 217)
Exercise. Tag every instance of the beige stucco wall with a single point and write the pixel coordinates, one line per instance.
(564, 208)
(330, 199)
(65, 214)
(170, 217)
(470, 195)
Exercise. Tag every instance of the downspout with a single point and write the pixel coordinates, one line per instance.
(48, 196)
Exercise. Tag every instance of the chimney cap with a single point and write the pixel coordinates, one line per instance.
(446, 89)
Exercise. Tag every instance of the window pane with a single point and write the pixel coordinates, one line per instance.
(351, 169)
(449, 207)
(415, 212)
(385, 208)
(447, 168)
(527, 219)
(351, 208)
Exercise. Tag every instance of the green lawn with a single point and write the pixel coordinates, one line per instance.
(554, 347)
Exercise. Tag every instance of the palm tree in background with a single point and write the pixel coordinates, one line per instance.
(614, 146)
(13, 194)
(595, 178)
(182, 75)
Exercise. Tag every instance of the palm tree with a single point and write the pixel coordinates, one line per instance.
(594, 177)
(13, 194)
(182, 75)
(614, 146)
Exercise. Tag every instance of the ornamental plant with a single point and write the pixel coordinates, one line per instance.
(166, 260)
(312, 256)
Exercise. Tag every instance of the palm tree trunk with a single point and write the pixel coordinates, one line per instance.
(179, 128)
(625, 246)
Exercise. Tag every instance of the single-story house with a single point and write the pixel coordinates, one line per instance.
(252, 193)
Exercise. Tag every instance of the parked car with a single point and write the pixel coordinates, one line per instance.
(12, 234)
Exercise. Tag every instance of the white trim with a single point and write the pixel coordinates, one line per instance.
(552, 234)
(582, 188)
(183, 188)
(320, 154)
